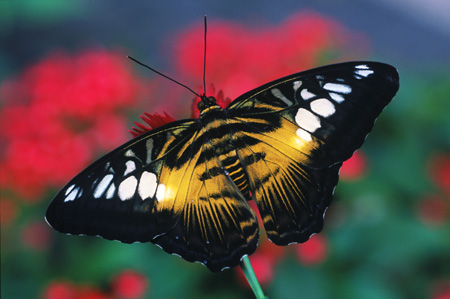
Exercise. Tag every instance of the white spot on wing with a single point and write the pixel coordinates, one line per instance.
(307, 120)
(130, 153)
(364, 73)
(72, 195)
(69, 189)
(362, 67)
(110, 192)
(304, 135)
(101, 187)
(127, 188)
(337, 97)
(296, 85)
(306, 95)
(147, 185)
(131, 166)
(337, 87)
(323, 107)
(160, 192)
(277, 93)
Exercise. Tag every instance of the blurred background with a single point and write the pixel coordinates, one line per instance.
(69, 94)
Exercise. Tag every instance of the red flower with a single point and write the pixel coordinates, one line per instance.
(36, 236)
(312, 252)
(240, 59)
(354, 168)
(442, 291)
(434, 210)
(440, 171)
(7, 211)
(129, 284)
(264, 270)
(91, 293)
(59, 114)
(154, 121)
(58, 290)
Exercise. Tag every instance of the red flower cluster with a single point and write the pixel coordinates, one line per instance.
(268, 255)
(7, 211)
(440, 172)
(434, 209)
(239, 58)
(354, 168)
(442, 290)
(47, 118)
(129, 285)
(36, 235)
(126, 285)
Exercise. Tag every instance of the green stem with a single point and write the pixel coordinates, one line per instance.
(247, 268)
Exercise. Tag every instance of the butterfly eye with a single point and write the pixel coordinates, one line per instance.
(212, 101)
(201, 106)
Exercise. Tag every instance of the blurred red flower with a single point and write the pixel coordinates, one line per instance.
(60, 113)
(130, 285)
(153, 121)
(434, 210)
(91, 293)
(442, 290)
(7, 211)
(263, 268)
(240, 59)
(36, 236)
(58, 290)
(439, 168)
(312, 252)
(354, 168)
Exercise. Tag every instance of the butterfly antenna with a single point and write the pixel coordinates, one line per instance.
(161, 74)
(204, 61)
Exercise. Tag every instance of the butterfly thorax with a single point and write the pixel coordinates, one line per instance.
(206, 104)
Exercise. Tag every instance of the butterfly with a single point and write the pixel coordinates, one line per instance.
(186, 186)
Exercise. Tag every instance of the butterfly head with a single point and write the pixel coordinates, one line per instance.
(207, 103)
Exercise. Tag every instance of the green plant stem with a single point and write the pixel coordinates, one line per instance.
(247, 268)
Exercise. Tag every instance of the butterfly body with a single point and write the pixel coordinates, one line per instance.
(185, 186)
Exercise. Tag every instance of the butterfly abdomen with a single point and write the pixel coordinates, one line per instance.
(233, 168)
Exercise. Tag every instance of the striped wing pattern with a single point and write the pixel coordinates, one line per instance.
(185, 186)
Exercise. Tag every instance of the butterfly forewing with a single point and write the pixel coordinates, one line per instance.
(184, 186)
(295, 132)
(117, 196)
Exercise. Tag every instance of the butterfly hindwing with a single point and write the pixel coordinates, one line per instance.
(295, 132)
(217, 226)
